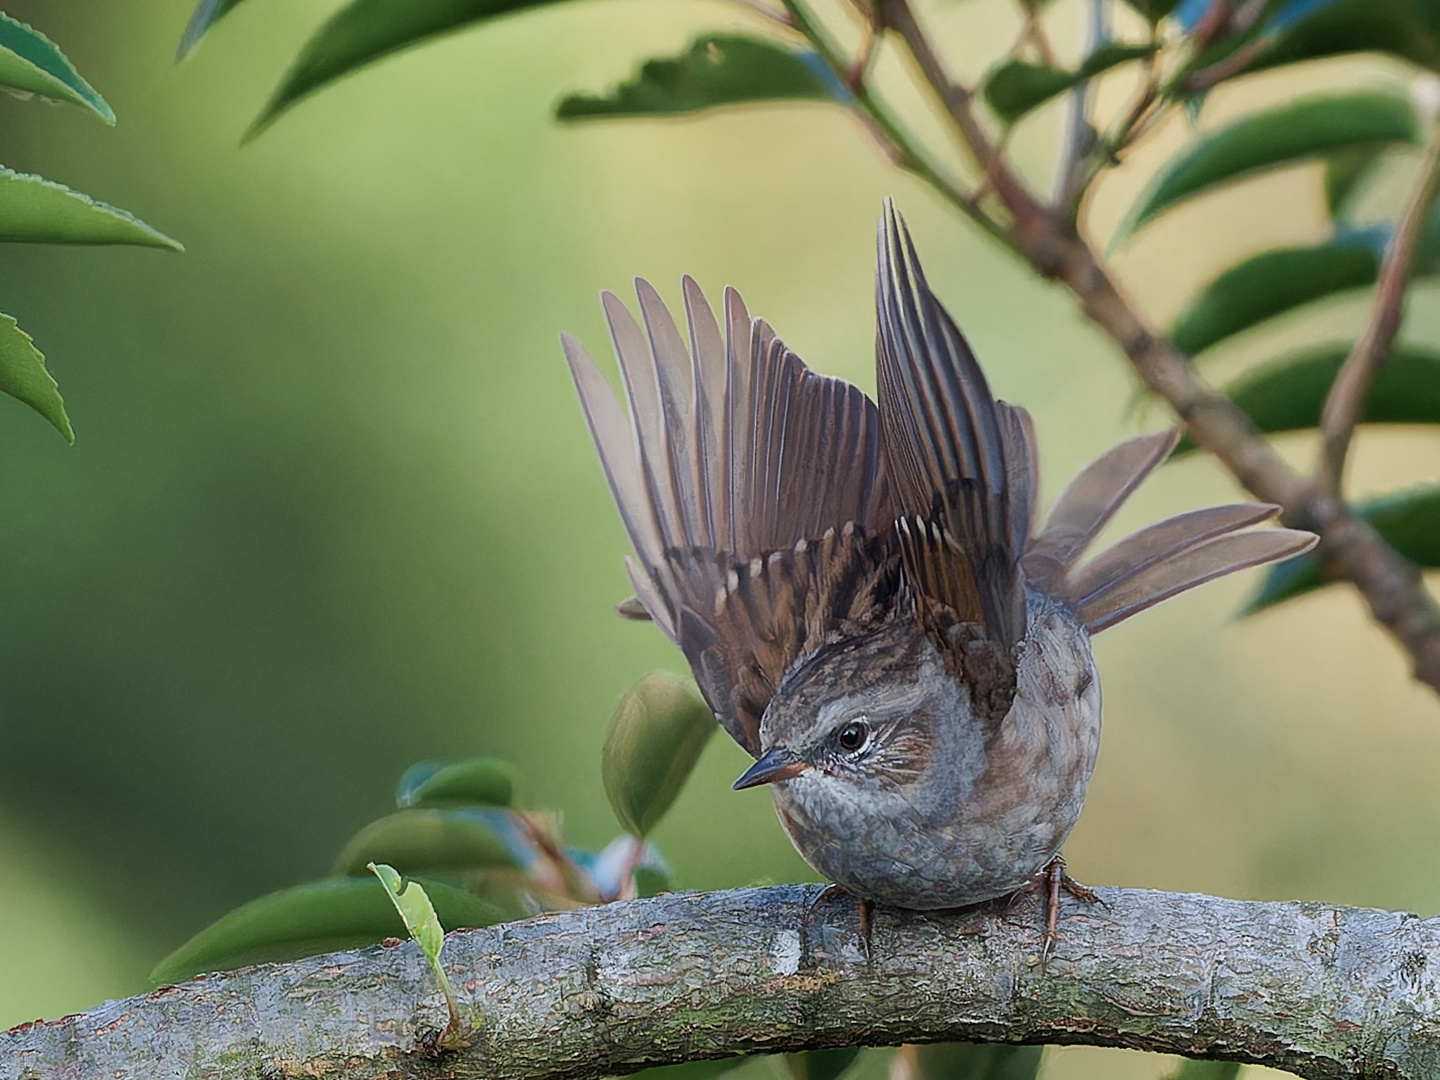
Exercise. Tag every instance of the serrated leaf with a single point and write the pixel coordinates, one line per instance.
(1346, 175)
(23, 376)
(821, 1064)
(34, 210)
(477, 782)
(420, 840)
(1271, 284)
(1016, 87)
(1289, 394)
(656, 733)
(31, 62)
(319, 917)
(363, 31)
(206, 15)
(715, 70)
(1301, 130)
(972, 1061)
(1408, 520)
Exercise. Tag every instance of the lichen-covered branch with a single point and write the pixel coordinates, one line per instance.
(1323, 991)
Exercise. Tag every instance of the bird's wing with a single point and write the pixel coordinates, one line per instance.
(961, 462)
(1156, 562)
(749, 485)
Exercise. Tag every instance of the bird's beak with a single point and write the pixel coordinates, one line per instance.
(778, 763)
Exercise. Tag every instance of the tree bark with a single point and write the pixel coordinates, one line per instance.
(1323, 991)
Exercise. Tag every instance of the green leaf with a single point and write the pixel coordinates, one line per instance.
(1288, 394)
(657, 731)
(1153, 10)
(692, 1070)
(650, 881)
(318, 917)
(415, 909)
(1016, 87)
(206, 15)
(1346, 174)
(821, 1064)
(34, 210)
(718, 69)
(973, 1061)
(477, 782)
(1271, 284)
(418, 840)
(424, 926)
(31, 62)
(1408, 520)
(363, 31)
(1206, 1070)
(23, 376)
(1309, 128)
(1409, 29)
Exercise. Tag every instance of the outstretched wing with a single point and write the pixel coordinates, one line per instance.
(1156, 562)
(961, 462)
(753, 490)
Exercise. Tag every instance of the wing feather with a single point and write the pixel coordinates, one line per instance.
(738, 475)
(947, 443)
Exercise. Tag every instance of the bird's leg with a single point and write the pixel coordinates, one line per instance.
(865, 908)
(1054, 878)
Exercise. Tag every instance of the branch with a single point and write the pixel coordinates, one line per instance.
(1345, 404)
(1390, 584)
(1324, 991)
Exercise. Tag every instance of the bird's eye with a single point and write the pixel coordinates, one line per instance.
(853, 736)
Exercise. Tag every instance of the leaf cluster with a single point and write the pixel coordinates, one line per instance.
(1352, 133)
(34, 210)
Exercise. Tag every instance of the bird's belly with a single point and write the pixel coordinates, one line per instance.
(948, 841)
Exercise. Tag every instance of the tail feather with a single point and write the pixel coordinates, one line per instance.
(1088, 502)
(1124, 596)
(1162, 542)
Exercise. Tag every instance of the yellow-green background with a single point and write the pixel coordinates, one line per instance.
(332, 508)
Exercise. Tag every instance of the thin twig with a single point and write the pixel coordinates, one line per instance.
(1029, 213)
(1035, 33)
(1345, 404)
(1080, 136)
(1391, 585)
(903, 149)
(764, 10)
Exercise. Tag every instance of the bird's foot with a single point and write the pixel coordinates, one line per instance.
(1049, 883)
(863, 912)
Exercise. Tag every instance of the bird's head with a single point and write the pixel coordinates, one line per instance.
(867, 713)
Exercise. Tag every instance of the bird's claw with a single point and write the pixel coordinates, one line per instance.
(864, 908)
(1049, 883)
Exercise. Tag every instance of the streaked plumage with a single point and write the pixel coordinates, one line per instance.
(830, 564)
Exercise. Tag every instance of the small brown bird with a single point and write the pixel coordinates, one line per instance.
(858, 590)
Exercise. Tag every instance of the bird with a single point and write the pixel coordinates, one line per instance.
(859, 591)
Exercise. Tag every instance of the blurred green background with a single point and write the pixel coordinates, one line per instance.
(332, 508)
